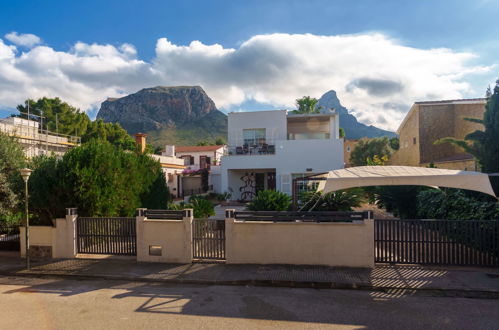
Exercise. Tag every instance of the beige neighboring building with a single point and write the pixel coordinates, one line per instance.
(171, 165)
(36, 141)
(200, 157)
(348, 146)
(429, 121)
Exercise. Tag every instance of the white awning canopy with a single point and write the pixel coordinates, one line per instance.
(364, 176)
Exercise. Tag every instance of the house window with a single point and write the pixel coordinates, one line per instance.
(413, 140)
(254, 136)
(188, 160)
(348, 148)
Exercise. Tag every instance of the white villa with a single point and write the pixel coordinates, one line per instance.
(268, 149)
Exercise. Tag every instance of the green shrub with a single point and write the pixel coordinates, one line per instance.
(270, 200)
(454, 204)
(99, 179)
(202, 207)
(341, 200)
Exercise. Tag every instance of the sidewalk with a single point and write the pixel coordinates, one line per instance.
(448, 281)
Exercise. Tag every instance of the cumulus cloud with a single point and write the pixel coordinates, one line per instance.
(20, 39)
(375, 76)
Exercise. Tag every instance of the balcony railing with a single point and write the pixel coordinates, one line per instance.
(251, 150)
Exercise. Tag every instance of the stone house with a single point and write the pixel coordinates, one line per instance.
(430, 121)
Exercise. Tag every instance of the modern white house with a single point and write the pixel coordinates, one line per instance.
(268, 149)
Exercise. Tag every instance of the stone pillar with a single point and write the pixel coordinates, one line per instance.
(229, 222)
(187, 219)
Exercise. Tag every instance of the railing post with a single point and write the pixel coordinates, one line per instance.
(188, 218)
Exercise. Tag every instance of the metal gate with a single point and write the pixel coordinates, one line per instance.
(9, 237)
(208, 239)
(106, 236)
(437, 242)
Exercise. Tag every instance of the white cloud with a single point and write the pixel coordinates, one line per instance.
(20, 39)
(374, 75)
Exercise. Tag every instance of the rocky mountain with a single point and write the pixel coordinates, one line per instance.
(353, 129)
(185, 115)
(179, 115)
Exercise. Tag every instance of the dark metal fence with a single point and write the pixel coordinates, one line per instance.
(9, 237)
(165, 214)
(284, 216)
(208, 239)
(437, 242)
(106, 236)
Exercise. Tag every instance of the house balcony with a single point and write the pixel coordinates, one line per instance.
(250, 150)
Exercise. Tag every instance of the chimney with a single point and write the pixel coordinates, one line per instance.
(140, 139)
(169, 151)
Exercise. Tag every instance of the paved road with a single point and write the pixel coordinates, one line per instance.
(69, 304)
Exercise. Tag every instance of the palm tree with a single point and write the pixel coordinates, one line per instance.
(307, 105)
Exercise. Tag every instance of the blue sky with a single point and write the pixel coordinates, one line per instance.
(462, 27)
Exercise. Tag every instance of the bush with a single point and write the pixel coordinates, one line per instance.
(270, 200)
(99, 179)
(341, 200)
(202, 208)
(455, 204)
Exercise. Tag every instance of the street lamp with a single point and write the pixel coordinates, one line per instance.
(25, 173)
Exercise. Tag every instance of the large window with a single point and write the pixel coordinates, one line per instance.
(254, 136)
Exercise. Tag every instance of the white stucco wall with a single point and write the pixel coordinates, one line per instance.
(291, 156)
(273, 121)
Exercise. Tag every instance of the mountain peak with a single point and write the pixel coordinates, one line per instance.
(353, 129)
(158, 107)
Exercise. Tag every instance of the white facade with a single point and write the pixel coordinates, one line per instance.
(267, 149)
(36, 141)
(196, 153)
(172, 167)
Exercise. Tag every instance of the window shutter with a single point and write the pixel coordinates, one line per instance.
(286, 183)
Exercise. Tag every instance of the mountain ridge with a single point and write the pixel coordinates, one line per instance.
(353, 129)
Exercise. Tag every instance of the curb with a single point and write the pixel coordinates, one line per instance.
(439, 292)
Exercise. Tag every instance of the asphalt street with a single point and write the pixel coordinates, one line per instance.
(28, 303)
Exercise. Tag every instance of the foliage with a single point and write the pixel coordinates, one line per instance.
(61, 117)
(341, 200)
(342, 132)
(399, 200)
(99, 179)
(307, 105)
(455, 204)
(219, 141)
(70, 120)
(270, 200)
(366, 149)
(377, 161)
(202, 207)
(483, 144)
(11, 184)
(395, 143)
